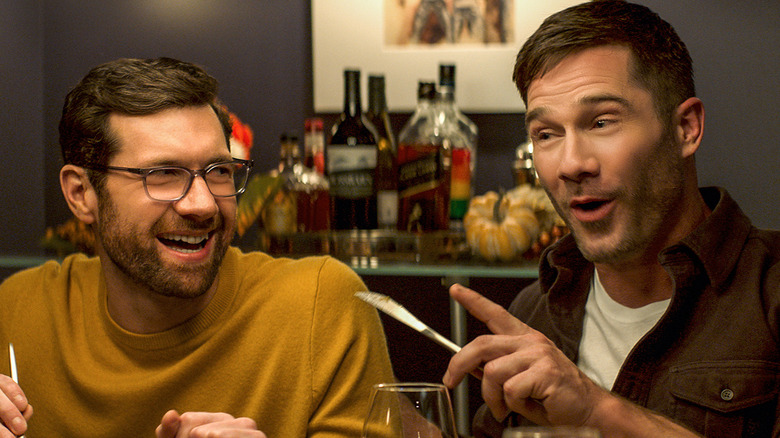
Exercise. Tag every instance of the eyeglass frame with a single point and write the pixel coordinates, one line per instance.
(143, 172)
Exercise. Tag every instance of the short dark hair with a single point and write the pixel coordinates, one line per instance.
(660, 61)
(131, 87)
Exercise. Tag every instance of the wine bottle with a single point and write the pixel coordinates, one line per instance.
(351, 158)
(386, 169)
(464, 153)
(423, 168)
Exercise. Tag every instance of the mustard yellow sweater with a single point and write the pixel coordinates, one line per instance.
(283, 342)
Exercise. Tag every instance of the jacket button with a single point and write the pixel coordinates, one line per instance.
(727, 394)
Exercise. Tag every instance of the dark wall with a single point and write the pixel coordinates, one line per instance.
(258, 50)
(22, 195)
(261, 53)
(735, 47)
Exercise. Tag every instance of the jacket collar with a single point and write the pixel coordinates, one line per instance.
(716, 244)
(718, 241)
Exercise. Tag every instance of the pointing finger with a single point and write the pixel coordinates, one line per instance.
(497, 319)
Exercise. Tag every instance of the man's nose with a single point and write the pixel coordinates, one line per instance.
(578, 159)
(198, 202)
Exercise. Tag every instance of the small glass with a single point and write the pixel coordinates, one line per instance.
(551, 432)
(406, 410)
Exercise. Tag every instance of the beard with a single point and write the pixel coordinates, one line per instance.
(649, 201)
(135, 253)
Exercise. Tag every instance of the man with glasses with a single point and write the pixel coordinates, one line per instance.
(170, 330)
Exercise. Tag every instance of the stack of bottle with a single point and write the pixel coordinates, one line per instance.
(302, 201)
(362, 178)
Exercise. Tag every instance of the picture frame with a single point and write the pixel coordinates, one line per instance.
(363, 35)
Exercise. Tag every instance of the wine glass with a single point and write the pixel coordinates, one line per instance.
(551, 432)
(406, 410)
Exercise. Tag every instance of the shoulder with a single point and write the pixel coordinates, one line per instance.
(52, 282)
(318, 278)
(760, 257)
(765, 241)
(75, 266)
(316, 268)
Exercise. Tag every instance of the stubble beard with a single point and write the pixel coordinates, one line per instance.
(141, 262)
(649, 200)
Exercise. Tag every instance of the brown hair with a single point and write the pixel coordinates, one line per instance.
(132, 87)
(660, 61)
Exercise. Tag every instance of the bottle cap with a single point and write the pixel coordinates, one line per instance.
(447, 75)
(313, 124)
(426, 90)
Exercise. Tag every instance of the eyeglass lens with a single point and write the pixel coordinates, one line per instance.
(171, 183)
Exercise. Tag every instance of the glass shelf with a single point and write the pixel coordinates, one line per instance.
(396, 253)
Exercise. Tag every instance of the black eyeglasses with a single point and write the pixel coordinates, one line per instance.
(171, 183)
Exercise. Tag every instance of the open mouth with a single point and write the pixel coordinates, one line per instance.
(591, 209)
(589, 206)
(184, 244)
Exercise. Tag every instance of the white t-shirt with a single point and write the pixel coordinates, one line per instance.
(610, 331)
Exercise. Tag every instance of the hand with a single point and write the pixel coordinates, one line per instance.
(206, 424)
(14, 409)
(523, 370)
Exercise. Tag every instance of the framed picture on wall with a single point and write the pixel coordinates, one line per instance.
(406, 40)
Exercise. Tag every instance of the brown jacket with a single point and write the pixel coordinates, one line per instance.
(713, 360)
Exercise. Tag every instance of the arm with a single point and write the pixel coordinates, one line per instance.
(350, 354)
(14, 409)
(526, 373)
(206, 424)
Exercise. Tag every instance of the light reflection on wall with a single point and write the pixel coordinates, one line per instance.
(180, 12)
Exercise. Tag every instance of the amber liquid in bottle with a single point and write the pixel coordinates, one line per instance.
(424, 187)
(423, 169)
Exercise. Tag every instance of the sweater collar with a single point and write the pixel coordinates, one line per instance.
(195, 328)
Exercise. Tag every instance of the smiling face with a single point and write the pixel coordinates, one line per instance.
(612, 169)
(170, 248)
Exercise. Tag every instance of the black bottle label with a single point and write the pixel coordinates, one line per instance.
(351, 170)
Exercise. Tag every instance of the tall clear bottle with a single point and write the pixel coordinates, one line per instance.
(351, 158)
(423, 168)
(386, 167)
(464, 151)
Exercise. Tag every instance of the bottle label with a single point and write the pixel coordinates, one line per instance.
(280, 214)
(351, 170)
(460, 182)
(387, 208)
(419, 175)
(423, 188)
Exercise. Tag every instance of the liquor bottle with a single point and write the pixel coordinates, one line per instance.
(464, 153)
(351, 157)
(423, 168)
(302, 202)
(314, 145)
(386, 169)
(280, 213)
(312, 192)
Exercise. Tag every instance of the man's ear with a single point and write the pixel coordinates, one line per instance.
(79, 193)
(689, 125)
